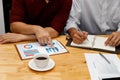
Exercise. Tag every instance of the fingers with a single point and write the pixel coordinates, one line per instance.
(50, 42)
(43, 36)
(117, 43)
(108, 40)
(113, 39)
(79, 37)
(3, 39)
(85, 34)
(45, 41)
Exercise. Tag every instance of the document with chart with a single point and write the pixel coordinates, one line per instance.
(103, 66)
(28, 50)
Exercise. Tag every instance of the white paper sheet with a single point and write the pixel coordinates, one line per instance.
(99, 68)
(28, 50)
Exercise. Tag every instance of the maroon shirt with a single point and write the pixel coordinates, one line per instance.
(38, 12)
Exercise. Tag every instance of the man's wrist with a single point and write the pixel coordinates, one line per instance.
(36, 28)
(53, 33)
(72, 31)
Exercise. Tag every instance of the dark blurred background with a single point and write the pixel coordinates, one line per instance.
(6, 8)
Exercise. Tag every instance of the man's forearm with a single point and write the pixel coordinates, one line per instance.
(28, 37)
(23, 28)
(53, 33)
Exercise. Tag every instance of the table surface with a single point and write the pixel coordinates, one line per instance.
(68, 66)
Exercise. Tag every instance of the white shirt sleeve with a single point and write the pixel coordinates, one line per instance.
(74, 17)
(118, 27)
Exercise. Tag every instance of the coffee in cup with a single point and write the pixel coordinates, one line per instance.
(41, 60)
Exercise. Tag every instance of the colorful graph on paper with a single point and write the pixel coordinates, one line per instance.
(30, 49)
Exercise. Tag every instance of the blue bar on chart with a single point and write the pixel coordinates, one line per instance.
(50, 50)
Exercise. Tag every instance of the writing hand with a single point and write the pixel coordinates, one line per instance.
(79, 36)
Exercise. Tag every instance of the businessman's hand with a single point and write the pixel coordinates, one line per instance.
(113, 39)
(78, 36)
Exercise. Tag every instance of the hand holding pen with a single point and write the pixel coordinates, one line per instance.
(84, 34)
(78, 36)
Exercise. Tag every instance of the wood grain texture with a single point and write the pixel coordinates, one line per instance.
(69, 66)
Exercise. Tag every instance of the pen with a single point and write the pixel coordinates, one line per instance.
(82, 33)
(104, 57)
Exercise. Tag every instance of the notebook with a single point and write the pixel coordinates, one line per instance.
(28, 50)
(95, 43)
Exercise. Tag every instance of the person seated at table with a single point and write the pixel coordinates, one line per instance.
(37, 19)
(95, 17)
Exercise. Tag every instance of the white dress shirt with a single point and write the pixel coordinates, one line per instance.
(95, 16)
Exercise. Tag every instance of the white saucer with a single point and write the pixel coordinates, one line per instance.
(50, 65)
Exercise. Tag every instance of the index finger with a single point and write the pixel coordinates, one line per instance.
(109, 39)
(81, 34)
(85, 34)
(50, 42)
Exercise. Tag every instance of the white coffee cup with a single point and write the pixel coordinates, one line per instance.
(41, 60)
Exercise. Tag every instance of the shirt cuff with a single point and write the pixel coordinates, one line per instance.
(118, 27)
(71, 25)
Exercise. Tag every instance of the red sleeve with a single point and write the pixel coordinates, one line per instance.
(17, 11)
(60, 19)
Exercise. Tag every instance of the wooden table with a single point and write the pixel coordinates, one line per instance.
(68, 66)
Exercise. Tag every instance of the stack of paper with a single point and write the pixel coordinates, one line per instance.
(101, 69)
